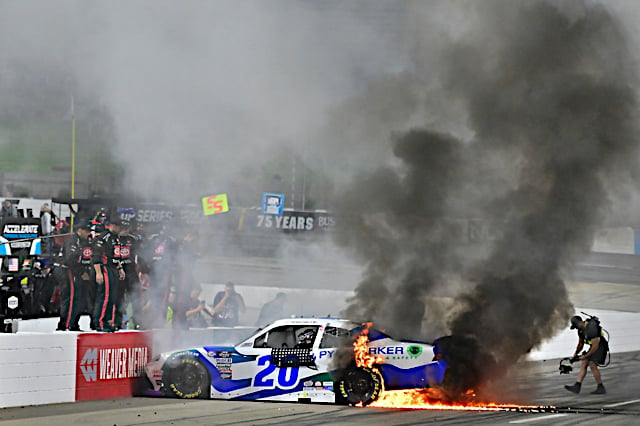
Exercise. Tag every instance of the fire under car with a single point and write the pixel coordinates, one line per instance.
(298, 360)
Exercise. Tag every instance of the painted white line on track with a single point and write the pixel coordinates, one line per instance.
(619, 404)
(597, 265)
(537, 419)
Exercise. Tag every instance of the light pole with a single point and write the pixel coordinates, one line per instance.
(73, 159)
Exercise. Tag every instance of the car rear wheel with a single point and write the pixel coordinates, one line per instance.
(359, 386)
(186, 377)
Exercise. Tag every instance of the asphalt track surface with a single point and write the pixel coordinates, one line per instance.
(596, 267)
(533, 383)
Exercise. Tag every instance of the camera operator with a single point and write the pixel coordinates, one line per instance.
(589, 331)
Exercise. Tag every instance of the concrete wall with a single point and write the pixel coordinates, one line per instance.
(37, 368)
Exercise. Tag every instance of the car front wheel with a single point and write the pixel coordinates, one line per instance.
(186, 377)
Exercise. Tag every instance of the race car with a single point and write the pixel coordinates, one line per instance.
(298, 360)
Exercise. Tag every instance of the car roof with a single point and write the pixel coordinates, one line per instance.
(330, 322)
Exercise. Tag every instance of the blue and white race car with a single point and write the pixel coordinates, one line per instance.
(295, 360)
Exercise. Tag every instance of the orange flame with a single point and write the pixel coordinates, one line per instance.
(429, 398)
(361, 353)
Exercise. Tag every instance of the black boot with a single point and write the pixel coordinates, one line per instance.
(599, 390)
(573, 388)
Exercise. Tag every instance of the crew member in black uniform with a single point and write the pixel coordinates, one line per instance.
(590, 332)
(160, 253)
(127, 287)
(69, 273)
(91, 295)
(44, 285)
(108, 270)
(85, 284)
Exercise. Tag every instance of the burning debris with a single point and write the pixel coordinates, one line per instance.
(549, 99)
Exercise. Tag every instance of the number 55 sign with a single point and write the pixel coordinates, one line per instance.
(214, 204)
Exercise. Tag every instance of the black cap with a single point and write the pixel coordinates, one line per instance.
(575, 320)
(85, 224)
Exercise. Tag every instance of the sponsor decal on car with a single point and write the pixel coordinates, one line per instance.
(326, 353)
(224, 366)
(387, 350)
(414, 351)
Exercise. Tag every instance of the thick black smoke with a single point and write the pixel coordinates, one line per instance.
(393, 221)
(549, 99)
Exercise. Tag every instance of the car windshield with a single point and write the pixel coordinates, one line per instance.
(253, 333)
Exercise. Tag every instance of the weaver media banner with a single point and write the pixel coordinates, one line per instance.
(111, 365)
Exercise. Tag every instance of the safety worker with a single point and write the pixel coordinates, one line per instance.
(108, 271)
(72, 269)
(590, 332)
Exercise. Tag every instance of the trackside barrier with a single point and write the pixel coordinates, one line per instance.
(111, 365)
(37, 368)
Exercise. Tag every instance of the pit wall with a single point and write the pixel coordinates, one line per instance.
(37, 369)
(46, 368)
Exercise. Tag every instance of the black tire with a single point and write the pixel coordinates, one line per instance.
(187, 378)
(358, 385)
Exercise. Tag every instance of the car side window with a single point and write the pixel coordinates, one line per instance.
(279, 337)
(334, 337)
(287, 336)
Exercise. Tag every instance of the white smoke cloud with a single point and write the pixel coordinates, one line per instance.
(200, 90)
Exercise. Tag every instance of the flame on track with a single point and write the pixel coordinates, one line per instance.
(430, 399)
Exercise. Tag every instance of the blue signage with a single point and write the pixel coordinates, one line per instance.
(272, 204)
